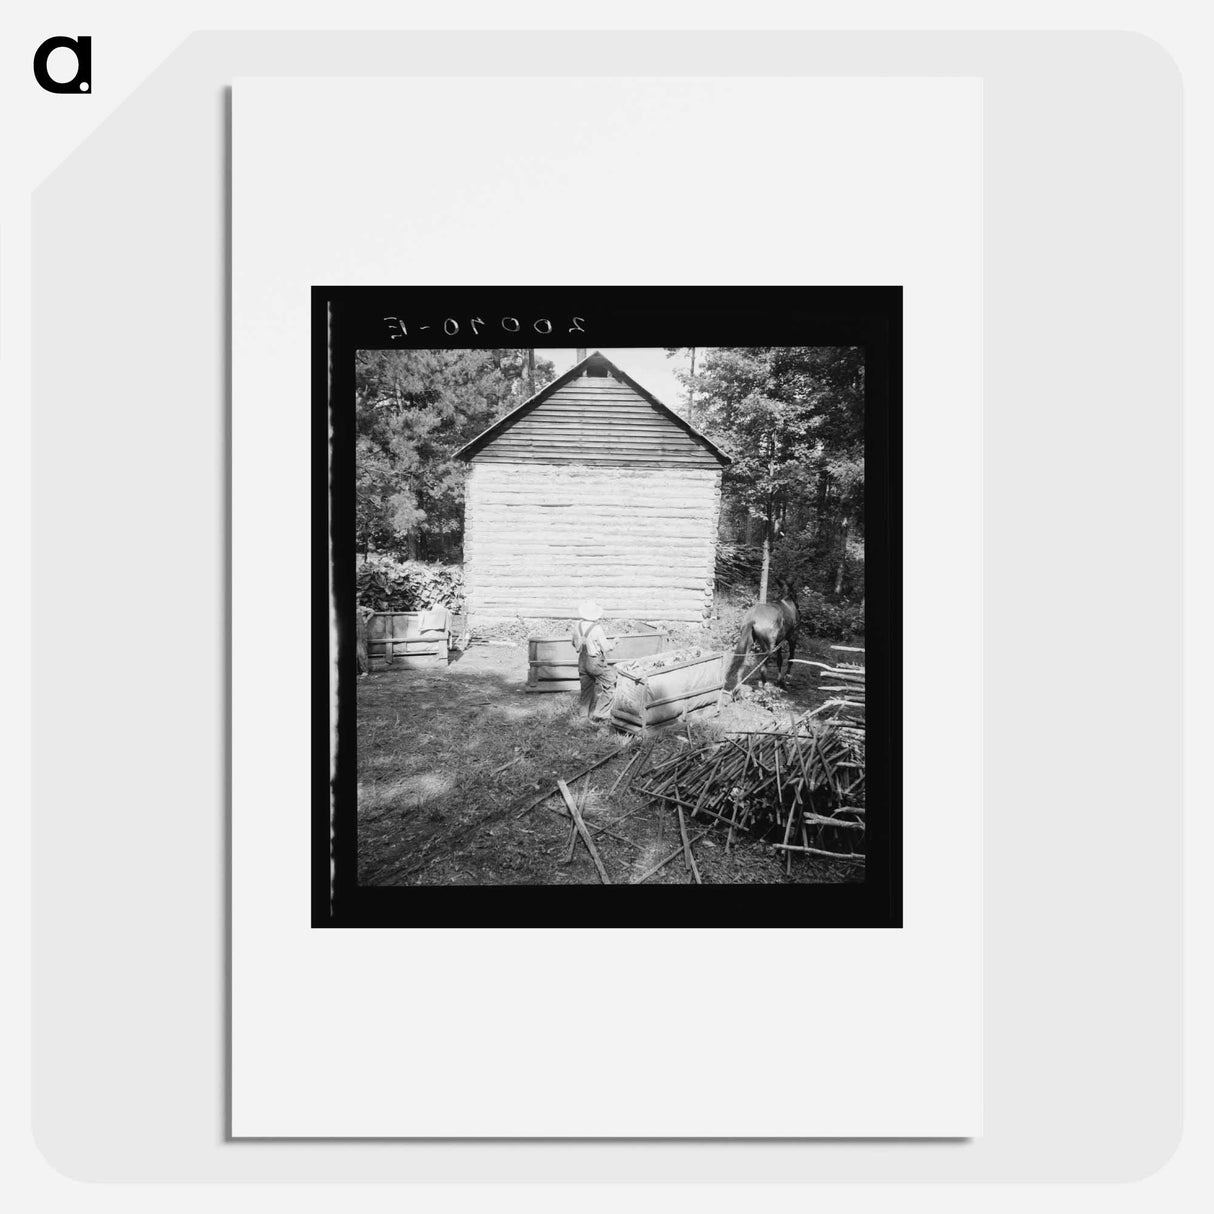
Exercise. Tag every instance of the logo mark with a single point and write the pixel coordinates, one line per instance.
(82, 48)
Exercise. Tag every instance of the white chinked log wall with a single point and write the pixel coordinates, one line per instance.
(539, 537)
(592, 489)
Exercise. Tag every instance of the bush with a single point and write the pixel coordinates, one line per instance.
(807, 559)
(798, 560)
(821, 617)
(386, 584)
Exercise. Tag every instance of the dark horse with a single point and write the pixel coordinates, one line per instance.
(766, 627)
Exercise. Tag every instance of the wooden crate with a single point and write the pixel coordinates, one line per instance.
(396, 636)
(666, 696)
(552, 661)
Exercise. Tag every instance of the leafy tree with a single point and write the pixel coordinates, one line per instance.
(792, 417)
(414, 410)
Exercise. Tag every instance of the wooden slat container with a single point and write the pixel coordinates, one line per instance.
(552, 661)
(396, 636)
(662, 697)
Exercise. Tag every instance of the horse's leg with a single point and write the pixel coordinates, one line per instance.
(790, 649)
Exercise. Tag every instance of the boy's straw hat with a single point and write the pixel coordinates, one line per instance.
(590, 610)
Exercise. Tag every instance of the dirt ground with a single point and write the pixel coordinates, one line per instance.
(448, 759)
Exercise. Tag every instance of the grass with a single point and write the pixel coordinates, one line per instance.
(447, 758)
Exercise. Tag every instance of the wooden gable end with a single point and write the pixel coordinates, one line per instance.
(599, 420)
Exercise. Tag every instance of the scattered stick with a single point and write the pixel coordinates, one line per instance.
(855, 857)
(584, 797)
(568, 856)
(628, 767)
(586, 837)
(691, 860)
(661, 864)
(643, 758)
(596, 828)
(572, 779)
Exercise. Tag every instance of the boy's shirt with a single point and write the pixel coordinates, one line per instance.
(589, 639)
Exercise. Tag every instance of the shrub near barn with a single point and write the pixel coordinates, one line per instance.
(385, 584)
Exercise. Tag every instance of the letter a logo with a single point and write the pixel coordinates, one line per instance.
(82, 48)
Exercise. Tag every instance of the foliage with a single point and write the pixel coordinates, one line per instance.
(792, 418)
(413, 410)
(822, 617)
(386, 584)
(661, 661)
(812, 559)
(769, 696)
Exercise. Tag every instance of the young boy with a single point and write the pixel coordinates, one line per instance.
(596, 675)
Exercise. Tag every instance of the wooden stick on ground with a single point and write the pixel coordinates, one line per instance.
(639, 770)
(661, 864)
(691, 860)
(595, 827)
(627, 768)
(854, 857)
(585, 794)
(577, 776)
(590, 847)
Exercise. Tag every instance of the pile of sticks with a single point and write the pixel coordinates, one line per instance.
(844, 680)
(803, 785)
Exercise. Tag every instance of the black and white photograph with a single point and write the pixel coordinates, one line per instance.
(610, 607)
(629, 485)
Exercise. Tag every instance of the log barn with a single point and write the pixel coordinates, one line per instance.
(592, 488)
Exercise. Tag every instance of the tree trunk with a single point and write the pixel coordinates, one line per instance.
(766, 555)
(691, 398)
(842, 560)
(769, 516)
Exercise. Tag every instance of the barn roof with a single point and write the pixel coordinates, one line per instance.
(599, 362)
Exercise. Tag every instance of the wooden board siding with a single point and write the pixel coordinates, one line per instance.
(540, 536)
(597, 420)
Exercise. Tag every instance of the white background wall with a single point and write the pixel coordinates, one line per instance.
(1032, 82)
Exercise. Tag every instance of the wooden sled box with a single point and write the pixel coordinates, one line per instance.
(552, 661)
(666, 696)
(396, 636)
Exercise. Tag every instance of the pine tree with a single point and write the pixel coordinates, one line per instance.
(414, 410)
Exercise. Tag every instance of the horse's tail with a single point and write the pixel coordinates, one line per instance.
(740, 650)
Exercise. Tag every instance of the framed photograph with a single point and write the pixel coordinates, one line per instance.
(590, 558)
(606, 607)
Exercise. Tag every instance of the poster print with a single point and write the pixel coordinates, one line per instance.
(606, 607)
